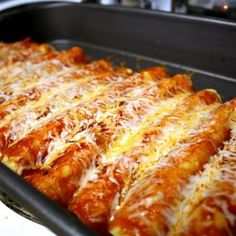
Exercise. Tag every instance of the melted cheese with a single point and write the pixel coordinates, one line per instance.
(126, 120)
(128, 140)
(220, 169)
(172, 134)
(106, 105)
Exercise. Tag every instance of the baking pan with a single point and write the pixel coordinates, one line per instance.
(56, 218)
(204, 47)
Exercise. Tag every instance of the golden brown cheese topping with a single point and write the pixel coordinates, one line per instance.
(129, 153)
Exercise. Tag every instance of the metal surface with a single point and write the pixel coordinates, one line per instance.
(7, 4)
(140, 38)
(196, 43)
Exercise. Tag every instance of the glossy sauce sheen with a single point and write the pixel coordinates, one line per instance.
(129, 153)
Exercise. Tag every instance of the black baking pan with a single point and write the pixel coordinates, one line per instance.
(203, 46)
(58, 219)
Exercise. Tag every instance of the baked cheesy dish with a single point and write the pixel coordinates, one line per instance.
(128, 153)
